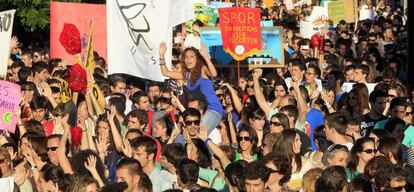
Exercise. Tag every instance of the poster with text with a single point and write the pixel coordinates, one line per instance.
(6, 26)
(240, 31)
(9, 102)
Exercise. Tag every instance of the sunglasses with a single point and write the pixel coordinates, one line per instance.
(51, 148)
(239, 139)
(399, 188)
(220, 95)
(409, 113)
(195, 122)
(369, 151)
(275, 123)
(248, 86)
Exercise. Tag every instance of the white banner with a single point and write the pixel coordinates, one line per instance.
(135, 30)
(6, 26)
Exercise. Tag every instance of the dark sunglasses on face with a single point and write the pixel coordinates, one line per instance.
(409, 113)
(399, 188)
(248, 86)
(369, 151)
(239, 139)
(274, 123)
(195, 122)
(51, 148)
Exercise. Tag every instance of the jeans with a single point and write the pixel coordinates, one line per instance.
(211, 119)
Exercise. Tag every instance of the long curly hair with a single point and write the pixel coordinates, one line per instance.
(195, 73)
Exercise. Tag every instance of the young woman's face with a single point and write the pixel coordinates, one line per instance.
(275, 125)
(82, 110)
(245, 141)
(190, 59)
(280, 91)
(297, 144)
(352, 100)
(330, 97)
(368, 152)
(159, 130)
(258, 123)
(103, 129)
(46, 185)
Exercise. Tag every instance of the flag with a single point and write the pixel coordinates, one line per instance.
(135, 30)
(6, 26)
(89, 63)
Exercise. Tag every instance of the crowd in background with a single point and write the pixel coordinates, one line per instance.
(284, 129)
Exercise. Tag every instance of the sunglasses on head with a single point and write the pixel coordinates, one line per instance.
(51, 148)
(195, 122)
(275, 123)
(369, 151)
(239, 139)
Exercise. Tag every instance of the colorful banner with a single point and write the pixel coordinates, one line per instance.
(6, 27)
(241, 31)
(79, 14)
(136, 30)
(341, 10)
(10, 98)
(89, 62)
(272, 49)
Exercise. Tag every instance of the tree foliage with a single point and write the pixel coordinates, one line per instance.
(33, 14)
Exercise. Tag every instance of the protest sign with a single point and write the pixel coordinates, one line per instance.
(317, 22)
(367, 13)
(218, 4)
(341, 10)
(272, 49)
(207, 15)
(80, 15)
(211, 37)
(240, 31)
(9, 102)
(268, 3)
(135, 31)
(6, 26)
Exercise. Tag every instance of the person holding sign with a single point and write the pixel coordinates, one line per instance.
(197, 68)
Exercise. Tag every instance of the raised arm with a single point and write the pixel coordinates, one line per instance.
(210, 70)
(61, 150)
(233, 133)
(258, 93)
(115, 133)
(164, 69)
(234, 97)
(224, 160)
(302, 105)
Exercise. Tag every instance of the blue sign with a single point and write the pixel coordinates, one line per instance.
(272, 50)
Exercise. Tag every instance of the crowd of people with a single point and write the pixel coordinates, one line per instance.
(285, 129)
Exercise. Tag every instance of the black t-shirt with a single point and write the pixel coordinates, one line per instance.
(367, 123)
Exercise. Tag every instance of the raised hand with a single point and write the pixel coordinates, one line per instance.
(13, 154)
(203, 51)
(111, 116)
(187, 136)
(127, 149)
(202, 134)
(163, 49)
(90, 164)
(102, 144)
(257, 73)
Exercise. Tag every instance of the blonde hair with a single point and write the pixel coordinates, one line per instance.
(309, 179)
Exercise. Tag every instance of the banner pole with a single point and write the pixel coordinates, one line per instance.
(238, 72)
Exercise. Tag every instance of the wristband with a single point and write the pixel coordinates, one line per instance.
(206, 141)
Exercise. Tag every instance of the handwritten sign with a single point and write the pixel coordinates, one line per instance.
(6, 26)
(240, 31)
(341, 10)
(9, 102)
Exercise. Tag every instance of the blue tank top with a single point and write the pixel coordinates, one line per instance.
(204, 88)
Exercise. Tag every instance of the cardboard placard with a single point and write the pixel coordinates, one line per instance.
(10, 99)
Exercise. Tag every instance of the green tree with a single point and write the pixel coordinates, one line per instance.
(33, 14)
